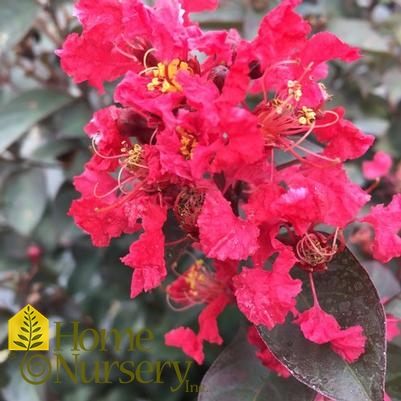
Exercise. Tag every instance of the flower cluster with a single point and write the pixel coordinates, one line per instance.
(245, 186)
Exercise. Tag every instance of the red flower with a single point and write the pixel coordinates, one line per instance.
(393, 328)
(266, 297)
(92, 56)
(186, 338)
(335, 202)
(386, 223)
(378, 167)
(146, 255)
(342, 139)
(198, 285)
(222, 234)
(95, 217)
(321, 328)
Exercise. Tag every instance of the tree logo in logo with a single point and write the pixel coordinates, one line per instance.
(28, 330)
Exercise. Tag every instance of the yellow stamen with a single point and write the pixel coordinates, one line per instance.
(294, 89)
(307, 116)
(133, 156)
(188, 143)
(164, 76)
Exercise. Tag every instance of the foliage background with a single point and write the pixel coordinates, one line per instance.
(47, 262)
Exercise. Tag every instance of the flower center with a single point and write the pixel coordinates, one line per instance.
(196, 285)
(294, 89)
(132, 155)
(314, 250)
(307, 116)
(187, 208)
(188, 143)
(164, 76)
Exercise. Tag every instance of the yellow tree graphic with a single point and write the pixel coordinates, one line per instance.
(28, 330)
(32, 326)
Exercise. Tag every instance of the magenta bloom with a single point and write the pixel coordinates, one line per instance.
(180, 147)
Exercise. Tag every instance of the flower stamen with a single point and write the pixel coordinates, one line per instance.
(164, 75)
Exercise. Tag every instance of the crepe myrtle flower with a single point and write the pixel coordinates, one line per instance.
(181, 146)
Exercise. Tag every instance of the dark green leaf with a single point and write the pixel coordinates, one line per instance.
(16, 18)
(34, 324)
(35, 330)
(24, 200)
(36, 337)
(36, 344)
(20, 344)
(26, 324)
(24, 329)
(22, 337)
(21, 113)
(393, 382)
(237, 375)
(346, 292)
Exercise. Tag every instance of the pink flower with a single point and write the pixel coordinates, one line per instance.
(378, 167)
(200, 284)
(266, 297)
(222, 234)
(146, 255)
(393, 327)
(321, 328)
(386, 222)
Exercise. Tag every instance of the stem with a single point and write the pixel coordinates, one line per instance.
(313, 289)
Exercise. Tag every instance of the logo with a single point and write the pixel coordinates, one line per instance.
(28, 330)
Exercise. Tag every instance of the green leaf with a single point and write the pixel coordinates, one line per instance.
(34, 324)
(359, 33)
(36, 337)
(24, 200)
(20, 344)
(27, 109)
(70, 120)
(24, 329)
(346, 292)
(36, 344)
(237, 375)
(393, 382)
(35, 330)
(22, 337)
(16, 18)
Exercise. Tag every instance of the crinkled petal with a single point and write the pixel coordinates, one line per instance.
(267, 297)
(378, 167)
(321, 328)
(349, 343)
(393, 327)
(208, 329)
(185, 338)
(222, 234)
(386, 222)
(146, 257)
(100, 225)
